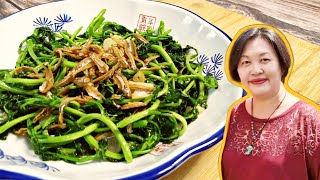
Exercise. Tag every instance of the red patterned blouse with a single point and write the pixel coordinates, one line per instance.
(287, 149)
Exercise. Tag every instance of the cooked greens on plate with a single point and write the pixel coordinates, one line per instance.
(106, 94)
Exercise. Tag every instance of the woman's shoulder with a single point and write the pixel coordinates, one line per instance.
(238, 109)
(309, 116)
(307, 110)
(240, 103)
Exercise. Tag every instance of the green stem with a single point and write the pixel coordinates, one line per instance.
(50, 120)
(201, 91)
(140, 152)
(161, 73)
(173, 83)
(67, 150)
(73, 111)
(192, 83)
(200, 77)
(133, 72)
(164, 90)
(11, 123)
(74, 35)
(135, 117)
(5, 87)
(9, 74)
(105, 119)
(24, 81)
(69, 64)
(136, 137)
(166, 56)
(98, 104)
(188, 58)
(164, 64)
(22, 56)
(66, 37)
(45, 56)
(75, 104)
(61, 75)
(30, 46)
(96, 22)
(140, 124)
(157, 77)
(70, 137)
(181, 119)
(104, 129)
(113, 155)
(93, 143)
(72, 158)
(165, 87)
(53, 62)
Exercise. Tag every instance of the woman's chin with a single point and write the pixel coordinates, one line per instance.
(260, 91)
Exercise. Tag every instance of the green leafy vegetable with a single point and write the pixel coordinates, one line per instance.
(108, 93)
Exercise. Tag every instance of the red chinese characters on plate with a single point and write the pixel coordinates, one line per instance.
(145, 21)
(161, 148)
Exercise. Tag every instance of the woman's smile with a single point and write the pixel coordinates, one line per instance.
(258, 81)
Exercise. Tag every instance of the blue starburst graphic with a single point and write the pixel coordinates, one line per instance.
(42, 22)
(203, 59)
(216, 60)
(63, 18)
(217, 74)
(55, 26)
(208, 69)
(212, 65)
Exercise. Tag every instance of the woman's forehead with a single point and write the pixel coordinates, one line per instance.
(257, 46)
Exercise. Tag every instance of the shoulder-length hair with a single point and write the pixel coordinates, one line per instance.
(268, 34)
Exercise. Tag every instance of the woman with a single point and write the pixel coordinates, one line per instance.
(271, 133)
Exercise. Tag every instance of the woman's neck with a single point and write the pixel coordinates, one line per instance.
(263, 106)
(270, 99)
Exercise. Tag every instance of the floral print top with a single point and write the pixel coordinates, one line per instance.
(288, 147)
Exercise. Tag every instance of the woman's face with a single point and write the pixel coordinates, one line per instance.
(259, 68)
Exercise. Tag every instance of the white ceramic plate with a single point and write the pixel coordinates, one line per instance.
(17, 158)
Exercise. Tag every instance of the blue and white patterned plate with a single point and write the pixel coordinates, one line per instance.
(17, 159)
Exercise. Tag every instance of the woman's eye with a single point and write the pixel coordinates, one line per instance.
(245, 62)
(265, 60)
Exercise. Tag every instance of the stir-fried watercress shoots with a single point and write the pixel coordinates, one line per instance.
(109, 93)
